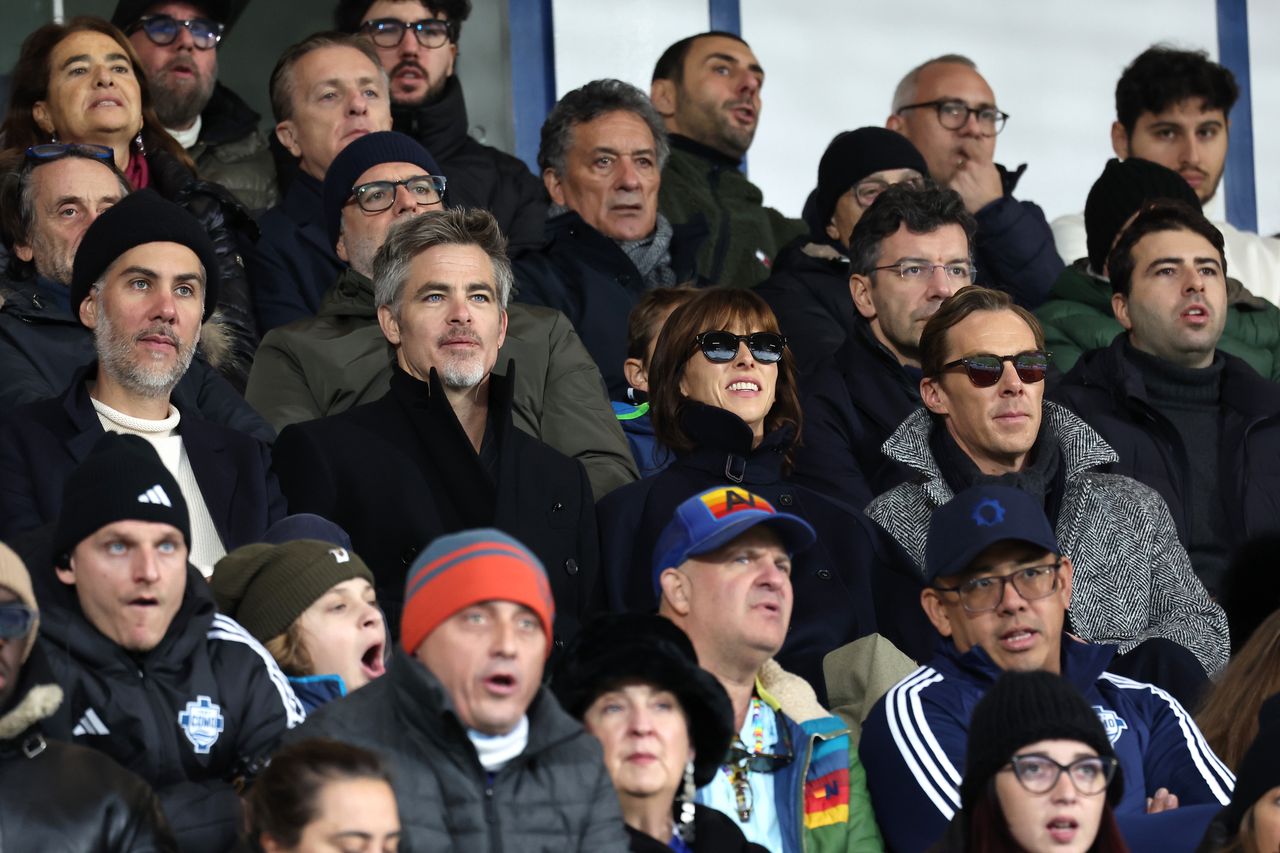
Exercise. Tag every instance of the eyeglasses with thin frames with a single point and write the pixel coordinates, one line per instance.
(954, 114)
(982, 595)
(915, 271)
(1039, 774)
(985, 369)
(56, 150)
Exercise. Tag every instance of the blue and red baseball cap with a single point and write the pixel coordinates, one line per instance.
(716, 517)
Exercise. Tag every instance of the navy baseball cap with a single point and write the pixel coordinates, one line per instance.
(978, 518)
(717, 516)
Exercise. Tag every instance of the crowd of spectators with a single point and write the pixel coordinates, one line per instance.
(362, 490)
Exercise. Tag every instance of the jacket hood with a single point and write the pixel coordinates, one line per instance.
(1077, 284)
(441, 126)
(1081, 447)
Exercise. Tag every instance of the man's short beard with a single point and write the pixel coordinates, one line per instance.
(116, 356)
(49, 262)
(179, 108)
(467, 374)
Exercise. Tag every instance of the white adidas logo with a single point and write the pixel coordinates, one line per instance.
(90, 724)
(155, 495)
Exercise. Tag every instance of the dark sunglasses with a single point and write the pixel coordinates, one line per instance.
(985, 370)
(163, 29)
(55, 150)
(15, 620)
(721, 347)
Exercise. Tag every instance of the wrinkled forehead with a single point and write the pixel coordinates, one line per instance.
(83, 177)
(337, 63)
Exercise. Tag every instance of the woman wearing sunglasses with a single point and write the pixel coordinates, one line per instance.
(664, 724)
(81, 83)
(1040, 773)
(722, 396)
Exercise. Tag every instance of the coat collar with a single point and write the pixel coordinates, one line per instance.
(1082, 663)
(441, 126)
(704, 152)
(1081, 447)
(722, 445)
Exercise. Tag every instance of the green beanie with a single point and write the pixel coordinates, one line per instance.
(266, 587)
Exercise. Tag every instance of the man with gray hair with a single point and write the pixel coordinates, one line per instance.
(947, 110)
(439, 453)
(602, 152)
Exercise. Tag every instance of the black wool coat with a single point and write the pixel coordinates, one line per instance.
(584, 274)
(809, 294)
(369, 469)
(852, 582)
(41, 443)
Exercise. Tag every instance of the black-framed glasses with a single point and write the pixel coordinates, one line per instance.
(985, 369)
(377, 196)
(865, 192)
(163, 29)
(57, 150)
(953, 114)
(388, 32)
(16, 620)
(915, 271)
(1038, 774)
(721, 347)
(981, 595)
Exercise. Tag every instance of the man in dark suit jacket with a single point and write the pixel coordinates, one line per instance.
(439, 453)
(145, 276)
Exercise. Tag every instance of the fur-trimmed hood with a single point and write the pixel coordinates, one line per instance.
(39, 704)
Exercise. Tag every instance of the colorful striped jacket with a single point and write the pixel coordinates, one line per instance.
(821, 796)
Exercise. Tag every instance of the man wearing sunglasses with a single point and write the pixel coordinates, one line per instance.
(984, 420)
(417, 44)
(722, 574)
(338, 359)
(177, 43)
(997, 586)
(1185, 417)
(946, 108)
(106, 807)
(602, 152)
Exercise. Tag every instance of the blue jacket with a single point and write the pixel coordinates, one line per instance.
(913, 744)
(314, 691)
(651, 457)
(293, 263)
(1014, 249)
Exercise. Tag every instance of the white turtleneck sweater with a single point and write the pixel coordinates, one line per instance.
(206, 545)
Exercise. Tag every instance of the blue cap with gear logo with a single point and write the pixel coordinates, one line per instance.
(978, 518)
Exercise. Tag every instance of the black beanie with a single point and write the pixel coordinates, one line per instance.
(372, 149)
(1118, 194)
(1259, 771)
(122, 479)
(266, 587)
(225, 12)
(852, 156)
(138, 218)
(1020, 709)
(615, 649)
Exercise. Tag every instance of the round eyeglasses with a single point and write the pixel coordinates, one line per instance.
(982, 595)
(164, 29)
(953, 115)
(1038, 774)
(377, 196)
(721, 347)
(389, 32)
(985, 370)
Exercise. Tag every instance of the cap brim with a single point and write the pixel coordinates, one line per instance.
(964, 556)
(797, 534)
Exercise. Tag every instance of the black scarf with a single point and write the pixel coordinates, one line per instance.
(1042, 476)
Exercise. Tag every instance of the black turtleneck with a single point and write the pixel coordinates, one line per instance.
(1189, 399)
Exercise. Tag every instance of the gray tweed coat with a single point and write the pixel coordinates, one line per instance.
(1132, 579)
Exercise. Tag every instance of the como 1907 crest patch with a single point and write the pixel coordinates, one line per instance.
(202, 722)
